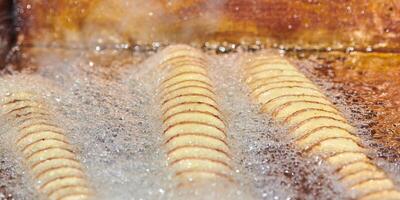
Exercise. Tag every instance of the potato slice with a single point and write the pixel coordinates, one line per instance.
(270, 71)
(335, 145)
(79, 192)
(272, 105)
(200, 164)
(185, 84)
(308, 113)
(273, 85)
(268, 74)
(179, 52)
(201, 117)
(189, 140)
(261, 68)
(183, 60)
(362, 176)
(198, 152)
(185, 77)
(190, 127)
(32, 138)
(189, 90)
(55, 162)
(42, 145)
(271, 94)
(72, 182)
(323, 134)
(341, 160)
(312, 124)
(355, 168)
(176, 70)
(372, 185)
(195, 107)
(259, 60)
(281, 78)
(188, 98)
(289, 108)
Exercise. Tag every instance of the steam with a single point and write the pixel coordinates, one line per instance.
(147, 21)
(124, 22)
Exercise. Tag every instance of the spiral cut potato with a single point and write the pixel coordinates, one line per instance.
(45, 149)
(315, 125)
(194, 134)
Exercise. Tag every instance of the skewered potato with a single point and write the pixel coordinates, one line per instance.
(315, 125)
(195, 131)
(45, 148)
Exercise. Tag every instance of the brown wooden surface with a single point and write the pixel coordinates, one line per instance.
(291, 23)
